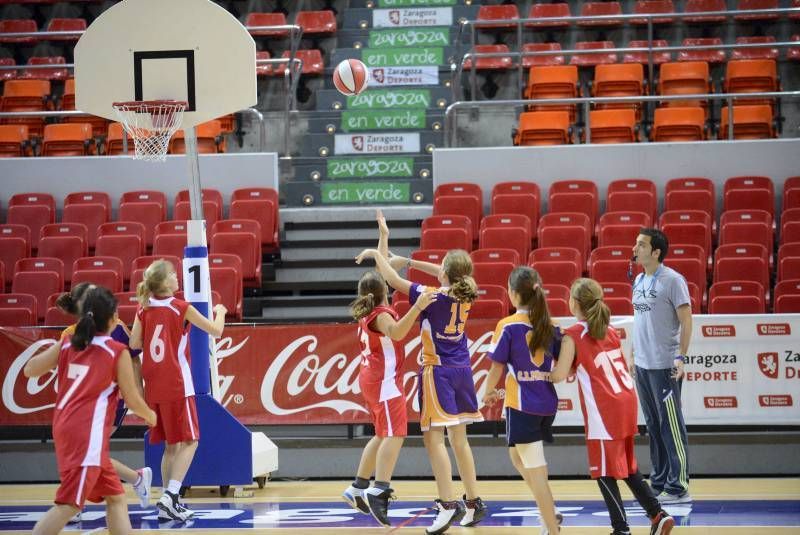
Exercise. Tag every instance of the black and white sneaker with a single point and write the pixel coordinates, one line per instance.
(447, 513)
(661, 524)
(355, 497)
(475, 511)
(560, 520)
(378, 502)
(170, 508)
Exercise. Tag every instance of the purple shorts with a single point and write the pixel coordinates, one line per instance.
(447, 397)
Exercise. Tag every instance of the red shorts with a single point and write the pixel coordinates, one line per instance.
(91, 483)
(389, 416)
(177, 422)
(612, 458)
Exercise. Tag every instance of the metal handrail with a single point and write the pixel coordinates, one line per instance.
(475, 56)
(450, 113)
(649, 17)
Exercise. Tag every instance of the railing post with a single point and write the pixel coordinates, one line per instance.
(729, 100)
(586, 107)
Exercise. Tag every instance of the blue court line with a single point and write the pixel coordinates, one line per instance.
(309, 515)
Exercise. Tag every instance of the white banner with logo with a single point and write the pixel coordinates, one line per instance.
(389, 143)
(408, 17)
(391, 76)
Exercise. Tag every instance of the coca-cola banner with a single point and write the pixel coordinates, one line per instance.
(740, 370)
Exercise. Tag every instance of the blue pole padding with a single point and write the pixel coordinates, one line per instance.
(196, 286)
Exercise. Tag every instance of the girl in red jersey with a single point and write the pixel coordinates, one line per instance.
(379, 330)
(90, 366)
(161, 330)
(70, 303)
(591, 349)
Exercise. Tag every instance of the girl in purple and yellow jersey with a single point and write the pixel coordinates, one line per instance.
(447, 391)
(523, 346)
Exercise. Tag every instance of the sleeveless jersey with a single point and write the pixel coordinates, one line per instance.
(86, 402)
(526, 391)
(442, 326)
(381, 357)
(166, 360)
(608, 397)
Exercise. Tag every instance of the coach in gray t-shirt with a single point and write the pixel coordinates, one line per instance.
(662, 329)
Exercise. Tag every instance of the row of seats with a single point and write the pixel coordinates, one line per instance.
(36, 95)
(502, 16)
(711, 56)
(39, 281)
(145, 207)
(621, 126)
(78, 139)
(313, 23)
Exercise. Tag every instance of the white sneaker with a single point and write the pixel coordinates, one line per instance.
(170, 508)
(143, 488)
(75, 519)
(559, 519)
(475, 511)
(447, 513)
(665, 498)
(355, 497)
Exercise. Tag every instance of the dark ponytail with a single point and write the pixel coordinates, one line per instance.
(371, 293)
(70, 301)
(97, 312)
(527, 283)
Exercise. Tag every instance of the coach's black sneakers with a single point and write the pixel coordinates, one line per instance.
(378, 503)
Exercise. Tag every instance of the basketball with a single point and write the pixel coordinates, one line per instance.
(350, 77)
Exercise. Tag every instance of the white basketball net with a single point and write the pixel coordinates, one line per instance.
(151, 124)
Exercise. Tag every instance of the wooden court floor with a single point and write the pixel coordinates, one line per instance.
(737, 496)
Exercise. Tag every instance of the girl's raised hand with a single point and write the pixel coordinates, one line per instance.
(384, 230)
(365, 254)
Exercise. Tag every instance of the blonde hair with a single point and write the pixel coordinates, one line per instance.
(457, 265)
(371, 293)
(154, 281)
(588, 295)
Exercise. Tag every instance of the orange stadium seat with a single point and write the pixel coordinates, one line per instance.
(13, 140)
(613, 126)
(26, 95)
(679, 124)
(558, 81)
(623, 80)
(543, 128)
(68, 139)
(100, 125)
(684, 78)
(209, 139)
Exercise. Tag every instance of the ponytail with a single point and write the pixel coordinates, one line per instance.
(97, 311)
(154, 281)
(464, 290)
(457, 266)
(70, 301)
(372, 291)
(588, 295)
(528, 284)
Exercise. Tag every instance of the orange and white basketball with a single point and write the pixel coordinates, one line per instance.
(350, 77)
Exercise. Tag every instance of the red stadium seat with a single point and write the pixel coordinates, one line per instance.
(736, 297)
(240, 237)
(745, 192)
(103, 271)
(791, 192)
(172, 227)
(593, 60)
(39, 284)
(695, 52)
(533, 61)
(747, 226)
(744, 5)
(146, 195)
(558, 254)
(14, 245)
(518, 188)
(57, 317)
(509, 231)
(557, 229)
(56, 73)
(789, 261)
(18, 310)
(122, 239)
(317, 23)
(493, 273)
(548, 11)
(659, 57)
(148, 214)
(497, 293)
(699, 6)
(633, 195)
(488, 309)
(207, 194)
(692, 193)
(90, 208)
(600, 9)
(736, 262)
(463, 205)
(127, 304)
(490, 63)
(495, 255)
(499, 13)
(616, 231)
(433, 256)
(526, 204)
(231, 261)
(755, 53)
(266, 19)
(169, 244)
(313, 64)
(66, 25)
(228, 283)
(787, 297)
(790, 226)
(459, 188)
(447, 232)
(557, 265)
(66, 241)
(270, 223)
(557, 300)
(33, 210)
(182, 211)
(575, 196)
(18, 26)
(651, 7)
(687, 227)
(612, 253)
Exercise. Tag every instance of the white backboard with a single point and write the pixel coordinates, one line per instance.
(192, 50)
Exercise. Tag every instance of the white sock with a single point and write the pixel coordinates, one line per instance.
(138, 479)
(174, 486)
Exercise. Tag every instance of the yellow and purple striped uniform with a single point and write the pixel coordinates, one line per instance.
(526, 390)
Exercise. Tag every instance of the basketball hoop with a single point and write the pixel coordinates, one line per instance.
(151, 124)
